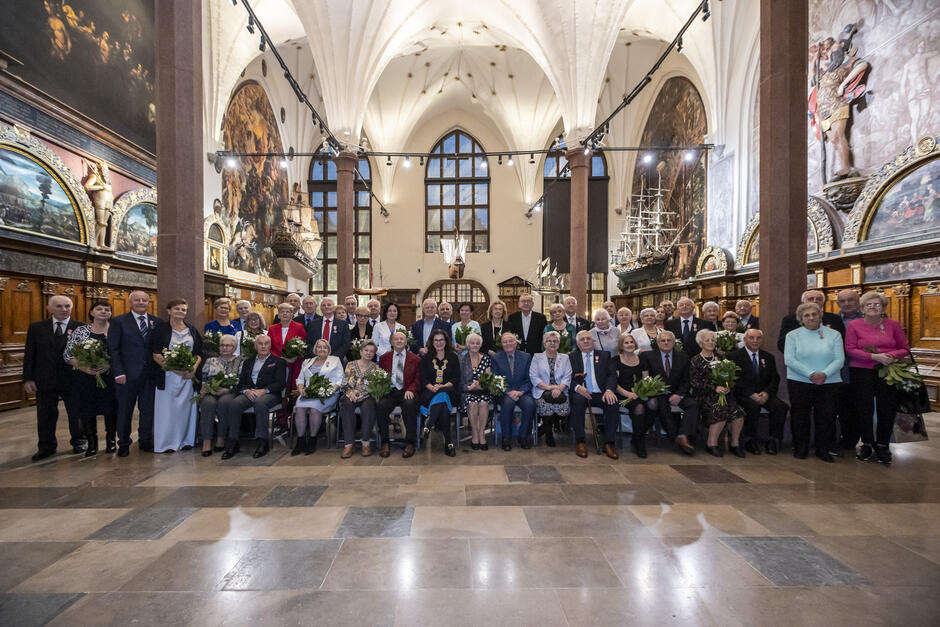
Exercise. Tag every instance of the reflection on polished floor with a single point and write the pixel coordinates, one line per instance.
(536, 537)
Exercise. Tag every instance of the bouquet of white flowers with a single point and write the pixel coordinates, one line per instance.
(248, 346)
(219, 381)
(319, 387)
(726, 341)
(295, 347)
(353, 353)
(378, 384)
(411, 340)
(494, 385)
(210, 342)
(93, 354)
(179, 359)
(724, 373)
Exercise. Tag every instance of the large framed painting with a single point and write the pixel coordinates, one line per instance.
(910, 205)
(819, 235)
(95, 56)
(35, 199)
(138, 232)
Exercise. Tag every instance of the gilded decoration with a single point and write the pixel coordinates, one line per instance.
(712, 259)
(819, 235)
(215, 234)
(135, 214)
(880, 185)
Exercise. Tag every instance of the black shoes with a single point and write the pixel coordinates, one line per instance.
(507, 445)
(311, 445)
(124, 450)
(262, 449)
(146, 447)
(92, 448)
(640, 447)
(425, 433)
(771, 446)
(864, 453)
(524, 443)
(752, 447)
(40, 455)
(714, 451)
(79, 448)
(737, 452)
(207, 453)
(549, 427)
(801, 451)
(826, 457)
(230, 451)
(474, 446)
(450, 451)
(484, 446)
(299, 446)
(110, 446)
(883, 454)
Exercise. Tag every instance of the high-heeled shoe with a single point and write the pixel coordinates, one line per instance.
(714, 450)
(207, 453)
(737, 451)
(298, 447)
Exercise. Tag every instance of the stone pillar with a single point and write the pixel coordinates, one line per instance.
(784, 28)
(179, 155)
(580, 169)
(346, 164)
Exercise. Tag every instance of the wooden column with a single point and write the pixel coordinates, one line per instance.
(345, 244)
(783, 62)
(179, 155)
(580, 169)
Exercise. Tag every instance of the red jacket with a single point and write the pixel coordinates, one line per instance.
(294, 330)
(412, 376)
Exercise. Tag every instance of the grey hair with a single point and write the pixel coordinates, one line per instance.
(804, 307)
(649, 309)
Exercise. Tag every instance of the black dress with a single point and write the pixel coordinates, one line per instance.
(91, 400)
(492, 337)
(626, 377)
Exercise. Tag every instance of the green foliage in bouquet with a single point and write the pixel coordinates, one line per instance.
(492, 384)
(218, 382)
(210, 342)
(179, 359)
(724, 373)
(353, 354)
(647, 388)
(564, 342)
(901, 375)
(295, 347)
(378, 384)
(319, 387)
(726, 342)
(93, 354)
(411, 339)
(248, 346)
(461, 333)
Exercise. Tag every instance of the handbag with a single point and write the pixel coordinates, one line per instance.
(562, 399)
(916, 401)
(909, 427)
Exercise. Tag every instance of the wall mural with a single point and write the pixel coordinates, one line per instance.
(34, 198)
(899, 39)
(138, 232)
(255, 193)
(678, 118)
(93, 56)
(911, 205)
(913, 269)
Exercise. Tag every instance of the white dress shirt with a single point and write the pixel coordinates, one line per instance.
(526, 320)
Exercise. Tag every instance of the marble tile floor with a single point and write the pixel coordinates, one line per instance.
(537, 537)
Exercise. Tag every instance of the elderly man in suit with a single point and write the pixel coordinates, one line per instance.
(307, 313)
(333, 330)
(756, 389)
(743, 308)
(673, 367)
(403, 365)
(831, 320)
(571, 315)
(514, 365)
(593, 383)
(132, 366)
(46, 375)
(528, 325)
(686, 325)
(260, 384)
(422, 329)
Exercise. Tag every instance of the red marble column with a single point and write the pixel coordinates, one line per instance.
(345, 244)
(179, 155)
(784, 27)
(580, 169)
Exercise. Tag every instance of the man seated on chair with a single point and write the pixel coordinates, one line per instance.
(260, 384)
(514, 365)
(593, 383)
(673, 367)
(404, 366)
(756, 389)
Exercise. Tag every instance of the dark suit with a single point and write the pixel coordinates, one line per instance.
(339, 335)
(354, 333)
(160, 339)
(272, 378)
(605, 377)
(43, 364)
(789, 323)
(491, 343)
(753, 322)
(765, 379)
(678, 382)
(532, 343)
(579, 324)
(689, 346)
(417, 331)
(516, 379)
(132, 357)
(411, 382)
(302, 319)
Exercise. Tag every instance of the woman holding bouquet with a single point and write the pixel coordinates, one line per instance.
(308, 412)
(714, 413)
(871, 341)
(440, 382)
(174, 415)
(356, 394)
(729, 324)
(550, 373)
(254, 325)
(629, 371)
(383, 330)
(219, 380)
(464, 310)
(476, 401)
(282, 332)
(560, 325)
(93, 399)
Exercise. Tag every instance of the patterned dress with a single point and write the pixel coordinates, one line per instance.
(703, 389)
(478, 396)
(543, 407)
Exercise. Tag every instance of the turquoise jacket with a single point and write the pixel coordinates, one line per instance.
(814, 351)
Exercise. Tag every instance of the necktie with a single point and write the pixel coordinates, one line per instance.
(685, 330)
(399, 370)
(58, 329)
(512, 363)
(754, 359)
(668, 365)
(326, 330)
(588, 374)
(142, 323)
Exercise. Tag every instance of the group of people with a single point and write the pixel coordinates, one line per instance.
(554, 372)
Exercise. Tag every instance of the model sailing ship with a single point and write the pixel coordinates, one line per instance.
(546, 279)
(646, 242)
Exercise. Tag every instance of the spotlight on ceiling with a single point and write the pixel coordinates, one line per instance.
(421, 161)
(509, 163)
(648, 157)
(499, 160)
(532, 158)
(251, 25)
(284, 163)
(262, 44)
(587, 149)
(407, 162)
(388, 160)
(689, 155)
(231, 163)
(234, 2)
(679, 46)
(483, 163)
(537, 207)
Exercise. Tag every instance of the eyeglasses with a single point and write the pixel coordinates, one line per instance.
(873, 305)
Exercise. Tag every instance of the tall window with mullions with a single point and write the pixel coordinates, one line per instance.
(322, 190)
(457, 193)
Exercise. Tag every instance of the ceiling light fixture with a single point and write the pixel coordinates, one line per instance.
(284, 163)
(679, 46)
(499, 160)
(587, 149)
(251, 24)
(689, 155)
(231, 163)
(531, 158)
(706, 12)
(509, 163)
(407, 162)
(262, 44)
(648, 158)
(421, 161)
(388, 160)
(483, 163)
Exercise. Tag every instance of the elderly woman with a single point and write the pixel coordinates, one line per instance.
(174, 416)
(254, 326)
(814, 357)
(559, 324)
(661, 317)
(212, 406)
(710, 314)
(362, 330)
(730, 322)
(440, 382)
(646, 335)
(624, 320)
(630, 369)
(713, 415)
(464, 310)
(476, 401)
(355, 394)
(603, 332)
(308, 412)
(222, 323)
(550, 373)
(340, 313)
(871, 341)
(492, 329)
(383, 330)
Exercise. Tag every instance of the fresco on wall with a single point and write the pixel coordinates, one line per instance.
(138, 232)
(812, 244)
(96, 56)
(678, 119)
(912, 269)
(900, 39)
(34, 199)
(911, 205)
(254, 193)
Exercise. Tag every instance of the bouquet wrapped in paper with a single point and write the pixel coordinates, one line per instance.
(378, 384)
(210, 342)
(353, 353)
(219, 381)
(724, 373)
(492, 384)
(93, 354)
(726, 341)
(647, 388)
(319, 387)
(295, 347)
(179, 359)
(461, 333)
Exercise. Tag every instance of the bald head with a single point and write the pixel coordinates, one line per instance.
(813, 296)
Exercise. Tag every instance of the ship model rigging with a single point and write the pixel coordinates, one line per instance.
(545, 279)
